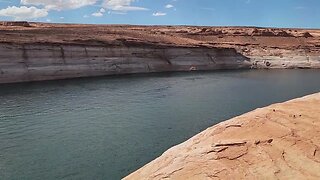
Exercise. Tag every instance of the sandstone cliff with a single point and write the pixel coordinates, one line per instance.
(39, 51)
(35, 62)
(276, 142)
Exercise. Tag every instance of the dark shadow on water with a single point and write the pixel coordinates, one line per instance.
(192, 75)
(24, 86)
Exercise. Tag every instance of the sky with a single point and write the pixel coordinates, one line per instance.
(262, 13)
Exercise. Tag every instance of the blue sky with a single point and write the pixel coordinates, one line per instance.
(268, 13)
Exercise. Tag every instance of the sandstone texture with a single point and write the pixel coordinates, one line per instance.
(15, 23)
(39, 51)
(281, 141)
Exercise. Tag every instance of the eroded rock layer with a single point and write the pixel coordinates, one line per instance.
(281, 141)
(35, 62)
(39, 51)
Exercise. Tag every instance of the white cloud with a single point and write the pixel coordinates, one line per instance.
(102, 10)
(128, 8)
(85, 16)
(59, 4)
(23, 12)
(121, 5)
(97, 14)
(118, 2)
(117, 12)
(159, 14)
(168, 6)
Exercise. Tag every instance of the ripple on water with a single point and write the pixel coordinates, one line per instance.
(105, 128)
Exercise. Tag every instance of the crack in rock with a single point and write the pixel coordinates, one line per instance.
(231, 144)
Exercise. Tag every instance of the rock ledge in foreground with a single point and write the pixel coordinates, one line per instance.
(280, 141)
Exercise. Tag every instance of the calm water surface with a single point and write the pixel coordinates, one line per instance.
(105, 128)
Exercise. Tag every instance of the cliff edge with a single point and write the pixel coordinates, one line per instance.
(280, 141)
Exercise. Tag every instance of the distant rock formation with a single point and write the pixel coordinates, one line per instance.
(270, 32)
(280, 141)
(15, 23)
(307, 35)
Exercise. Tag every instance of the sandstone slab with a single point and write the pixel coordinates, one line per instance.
(281, 141)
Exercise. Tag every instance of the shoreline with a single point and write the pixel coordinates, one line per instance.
(277, 141)
(153, 74)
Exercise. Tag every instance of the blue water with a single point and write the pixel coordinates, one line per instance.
(105, 128)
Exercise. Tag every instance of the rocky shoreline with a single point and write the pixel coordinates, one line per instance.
(280, 141)
(39, 51)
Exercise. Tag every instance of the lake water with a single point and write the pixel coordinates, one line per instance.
(105, 128)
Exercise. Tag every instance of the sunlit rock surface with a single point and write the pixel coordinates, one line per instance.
(280, 141)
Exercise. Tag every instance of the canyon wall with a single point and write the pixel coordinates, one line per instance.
(295, 61)
(40, 51)
(36, 62)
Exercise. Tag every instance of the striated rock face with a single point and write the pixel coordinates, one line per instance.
(35, 62)
(58, 51)
(276, 142)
